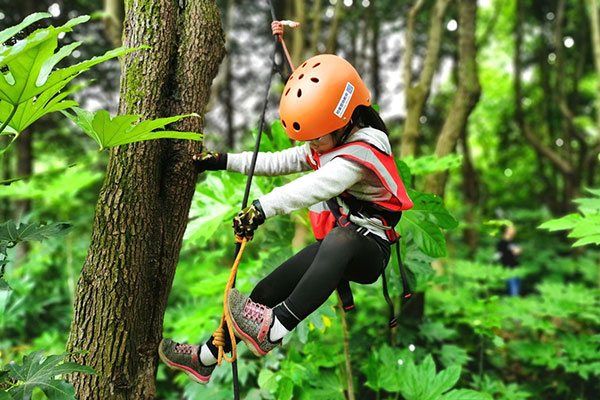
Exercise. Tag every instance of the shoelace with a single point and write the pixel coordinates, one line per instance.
(254, 311)
(184, 348)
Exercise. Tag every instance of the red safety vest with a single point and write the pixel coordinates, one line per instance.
(381, 164)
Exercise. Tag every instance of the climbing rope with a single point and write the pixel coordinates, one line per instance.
(219, 335)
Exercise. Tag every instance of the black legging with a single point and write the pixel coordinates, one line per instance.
(307, 279)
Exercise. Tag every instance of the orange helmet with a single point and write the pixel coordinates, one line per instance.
(320, 97)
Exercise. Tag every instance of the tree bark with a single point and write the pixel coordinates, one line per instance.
(143, 205)
(467, 93)
(417, 95)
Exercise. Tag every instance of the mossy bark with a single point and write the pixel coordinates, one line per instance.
(143, 205)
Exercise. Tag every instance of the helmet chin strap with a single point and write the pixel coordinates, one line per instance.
(345, 133)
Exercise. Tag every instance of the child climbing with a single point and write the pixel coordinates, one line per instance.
(355, 197)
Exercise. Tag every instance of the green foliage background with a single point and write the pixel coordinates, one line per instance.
(474, 341)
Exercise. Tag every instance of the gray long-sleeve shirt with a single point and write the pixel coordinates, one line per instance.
(333, 178)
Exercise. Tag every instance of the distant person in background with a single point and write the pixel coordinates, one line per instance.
(509, 252)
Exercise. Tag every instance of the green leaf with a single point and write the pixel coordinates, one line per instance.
(38, 371)
(33, 109)
(4, 395)
(267, 380)
(432, 164)
(286, 389)
(427, 236)
(404, 172)
(110, 132)
(432, 208)
(566, 222)
(30, 81)
(11, 233)
(444, 381)
(453, 355)
(4, 285)
(595, 239)
(465, 394)
(13, 30)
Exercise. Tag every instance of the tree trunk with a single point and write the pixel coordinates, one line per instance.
(471, 193)
(592, 158)
(143, 205)
(467, 93)
(417, 95)
(331, 45)
(113, 21)
(317, 26)
(375, 76)
(595, 33)
(298, 33)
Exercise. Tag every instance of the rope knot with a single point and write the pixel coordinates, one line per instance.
(219, 337)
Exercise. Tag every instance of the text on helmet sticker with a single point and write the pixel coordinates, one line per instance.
(344, 100)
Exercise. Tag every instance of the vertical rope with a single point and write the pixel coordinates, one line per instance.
(240, 245)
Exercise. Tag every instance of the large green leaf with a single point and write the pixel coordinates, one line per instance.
(566, 222)
(29, 75)
(38, 371)
(121, 129)
(13, 30)
(33, 109)
(12, 233)
(584, 226)
(432, 208)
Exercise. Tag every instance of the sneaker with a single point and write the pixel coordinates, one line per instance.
(184, 357)
(251, 322)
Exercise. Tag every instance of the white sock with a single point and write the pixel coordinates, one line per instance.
(277, 331)
(206, 356)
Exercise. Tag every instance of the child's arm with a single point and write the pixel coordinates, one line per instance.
(283, 162)
(328, 181)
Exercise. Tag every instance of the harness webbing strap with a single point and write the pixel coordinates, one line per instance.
(344, 290)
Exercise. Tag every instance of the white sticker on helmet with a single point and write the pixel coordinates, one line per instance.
(344, 100)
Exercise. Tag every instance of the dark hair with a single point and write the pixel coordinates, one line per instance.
(367, 116)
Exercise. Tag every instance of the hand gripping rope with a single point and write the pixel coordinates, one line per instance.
(219, 335)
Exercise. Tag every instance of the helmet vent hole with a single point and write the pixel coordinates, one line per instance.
(316, 65)
(301, 76)
(315, 80)
(287, 91)
(303, 65)
(299, 92)
(284, 124)
(296, 126)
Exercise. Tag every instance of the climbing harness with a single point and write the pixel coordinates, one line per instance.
(219, 335)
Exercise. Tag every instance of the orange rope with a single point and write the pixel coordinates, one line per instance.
(277, 28)
(219, 340)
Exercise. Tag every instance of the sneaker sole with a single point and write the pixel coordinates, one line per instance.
(250, 343)
(196, 377)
